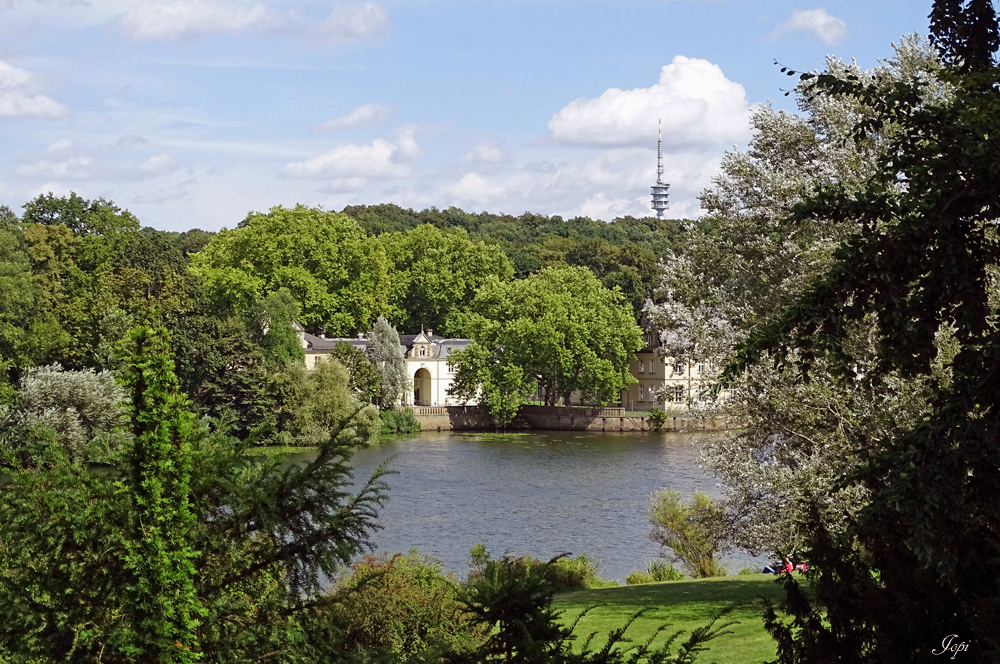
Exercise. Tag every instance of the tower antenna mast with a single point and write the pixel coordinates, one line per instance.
(659, 152)
(659, 189)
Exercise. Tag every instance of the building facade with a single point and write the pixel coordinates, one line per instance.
(662, 382)
(425, 356)
(665, 382)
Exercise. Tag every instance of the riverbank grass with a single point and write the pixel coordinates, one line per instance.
(278, 450)
(684, 605)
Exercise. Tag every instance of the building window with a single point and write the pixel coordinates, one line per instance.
(423, 351)
(679, 394)
(733, 393)
(679, 367)
(701, 367)
(642, 367)
(650, 366)
(642, 393)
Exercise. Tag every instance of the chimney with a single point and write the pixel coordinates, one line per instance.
(430, 332)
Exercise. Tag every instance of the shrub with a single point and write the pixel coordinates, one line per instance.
(78, 413)
(638, 578)
(399, 421)
(657, 418)
(656, 571)
(692, 531)
(747, 570)
(661, 570)
(578, 573)
(562, 574)
(403, 604)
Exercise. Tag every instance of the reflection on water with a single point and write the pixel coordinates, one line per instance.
(540, 494)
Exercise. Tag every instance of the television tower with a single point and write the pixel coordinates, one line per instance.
(660, 188)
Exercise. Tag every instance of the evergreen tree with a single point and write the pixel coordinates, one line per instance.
(164, 606)
(385, 353)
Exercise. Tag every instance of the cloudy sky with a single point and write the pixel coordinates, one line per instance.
(191, 113)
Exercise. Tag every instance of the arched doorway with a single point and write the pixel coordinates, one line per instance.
(422, 391)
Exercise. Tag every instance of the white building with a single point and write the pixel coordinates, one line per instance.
(665, 382)
(662, 381)
(425, 356)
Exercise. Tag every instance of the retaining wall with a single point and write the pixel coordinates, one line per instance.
(558, 418)
(443, 418)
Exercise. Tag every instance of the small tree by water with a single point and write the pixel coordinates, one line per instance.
(691, 531)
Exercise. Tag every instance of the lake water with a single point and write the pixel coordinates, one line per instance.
(538, 494)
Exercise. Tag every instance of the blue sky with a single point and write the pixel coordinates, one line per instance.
(191, 113)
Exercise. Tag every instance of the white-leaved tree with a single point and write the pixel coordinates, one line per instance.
(747, 267)
(77, 411)
(385, 353)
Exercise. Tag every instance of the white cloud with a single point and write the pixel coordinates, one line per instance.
(602, 185)
(172, 193)
(828, 28)
(407, 148)
(351, 23)
(158, 164)
(367, 114)
(379, 159)
(348, 163)
(65, 160)
(696, 102)
(486, 152)
(183, 20)
(187, 20)
(17, 100)
(601, 206)
(473, 188)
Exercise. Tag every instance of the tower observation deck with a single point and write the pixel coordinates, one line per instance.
(660, 188)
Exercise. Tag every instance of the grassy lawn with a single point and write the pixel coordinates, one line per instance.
(685, 605)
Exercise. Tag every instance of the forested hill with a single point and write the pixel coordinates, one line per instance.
(623, 253)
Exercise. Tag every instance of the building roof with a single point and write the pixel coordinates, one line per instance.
(315, 344)
(312, 343)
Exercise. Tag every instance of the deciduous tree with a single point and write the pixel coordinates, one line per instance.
(436, 274)
(798, 438)
(337, 275)
(559, 329)
(365, 379)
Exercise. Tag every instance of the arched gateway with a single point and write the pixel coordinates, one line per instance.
(423, 391)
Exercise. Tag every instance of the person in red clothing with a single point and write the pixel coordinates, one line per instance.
(789, 567)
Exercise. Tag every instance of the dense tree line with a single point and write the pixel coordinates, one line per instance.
(623, 253)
